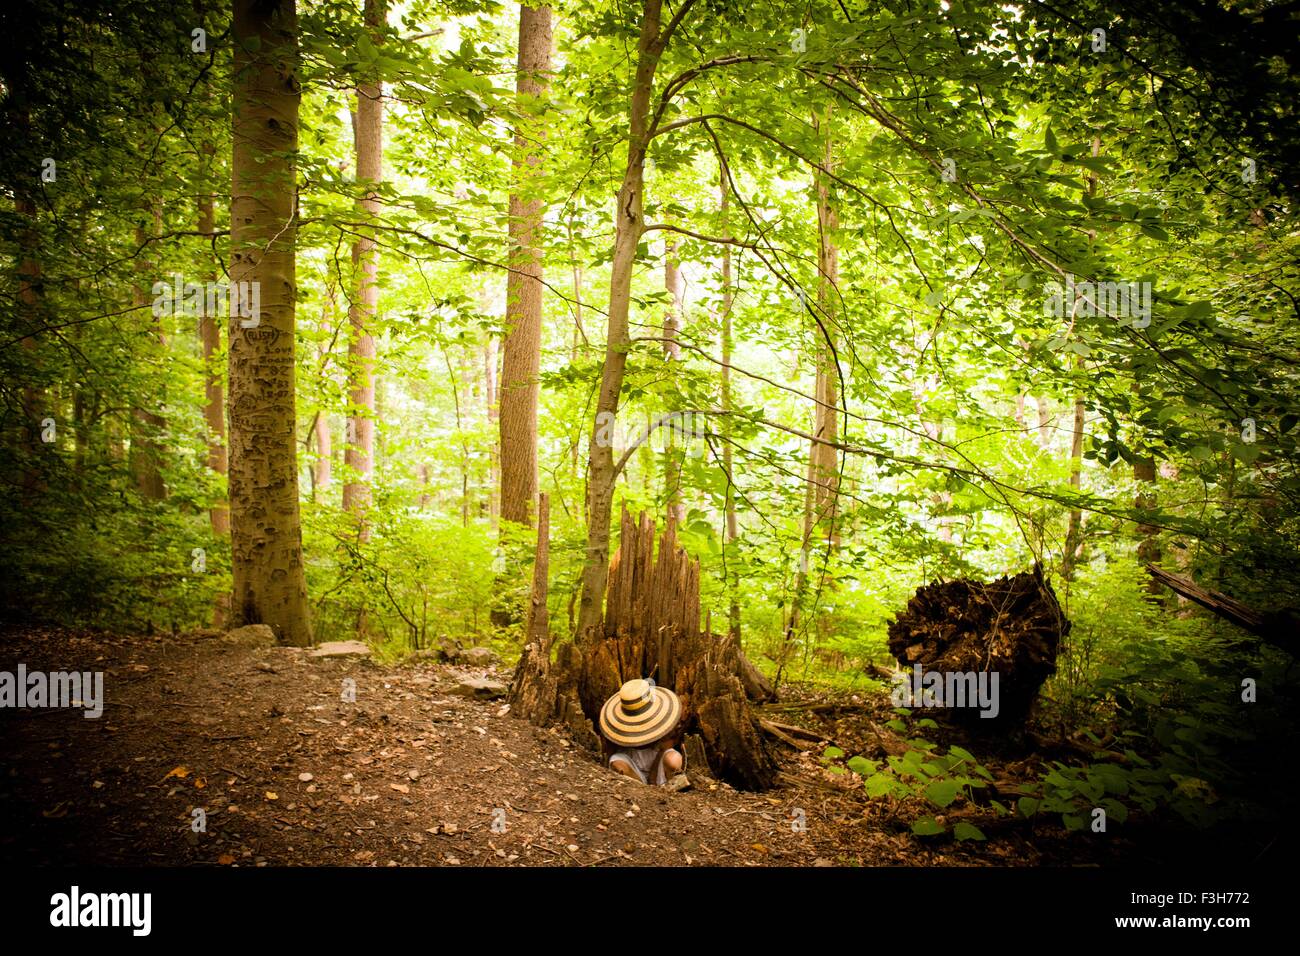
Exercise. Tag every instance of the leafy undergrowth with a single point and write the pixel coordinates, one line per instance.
(1078, 799)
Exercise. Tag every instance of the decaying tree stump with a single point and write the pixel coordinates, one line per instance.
(1011, 627)
(651, 628)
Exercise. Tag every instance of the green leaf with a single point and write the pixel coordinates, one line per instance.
(862, 766)
(832, 753)
(1027, 806)
(879, 785)
(926, 826)
(1246, 454)
(967, 831)
(942, 792)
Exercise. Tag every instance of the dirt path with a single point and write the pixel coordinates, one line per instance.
(288, 773)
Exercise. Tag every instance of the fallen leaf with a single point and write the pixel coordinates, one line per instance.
(272, 795)
(178, 772)
(399, 787)
(225, 859)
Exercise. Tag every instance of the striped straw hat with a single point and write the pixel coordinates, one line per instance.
(640, 713)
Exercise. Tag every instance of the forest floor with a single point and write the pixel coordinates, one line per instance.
(288, 773)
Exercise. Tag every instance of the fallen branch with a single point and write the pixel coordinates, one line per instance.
(796, 731)
(813, 708)
(779, 734)
(1277, 628)
(793, 780)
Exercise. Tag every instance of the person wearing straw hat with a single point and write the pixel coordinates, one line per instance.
(641, 725)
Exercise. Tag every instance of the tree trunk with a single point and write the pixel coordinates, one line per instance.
(1074, 528)
(825, 456)
(359, 446)
(491, 400)
(1146, 501)
(266, 534)
(147, 425)
(731, 532)
(322, 473)
(629, 226)
(523, 343)
(578, 333)
(322, 469)
(673, 455)
(29, 307)
(543, 692)
(821, 494)
(1043, 405)
(214, 406)
(80, 436)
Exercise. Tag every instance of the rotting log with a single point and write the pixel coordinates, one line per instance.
(650, 628)
(1011, 628)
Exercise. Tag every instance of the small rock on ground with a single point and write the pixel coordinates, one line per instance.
(481, 688)
(342, 649)
(250, 635)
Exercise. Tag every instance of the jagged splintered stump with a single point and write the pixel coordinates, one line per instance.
(1011, 627)
(651, 628)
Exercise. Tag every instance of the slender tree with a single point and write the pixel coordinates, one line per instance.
(676, 509)
(147, 423)
(629, 225)
(214, 406)
(1074, 527)
(731, 533)
(359, 449)
(266, 535)
(521, 359)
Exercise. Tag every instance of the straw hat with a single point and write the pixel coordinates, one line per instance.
(640, 713)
